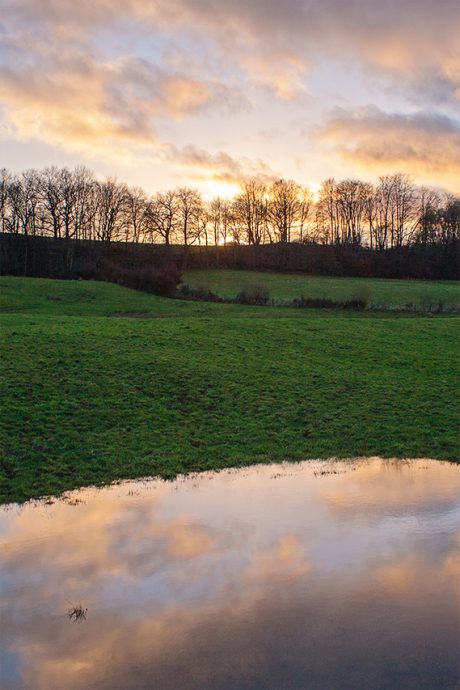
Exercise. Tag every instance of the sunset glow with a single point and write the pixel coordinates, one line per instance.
(224, 190)
(229, 318)
(207, 93)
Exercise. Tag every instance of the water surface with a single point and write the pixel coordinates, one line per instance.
(314, 576)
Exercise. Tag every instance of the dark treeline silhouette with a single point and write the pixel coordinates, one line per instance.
(62, 223)
(46, 257)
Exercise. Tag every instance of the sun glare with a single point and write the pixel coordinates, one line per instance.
(228, 240)
(314, 188)
(214, 188)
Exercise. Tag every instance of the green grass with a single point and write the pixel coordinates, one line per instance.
(82, 298)
(283, 287)
(87, 397)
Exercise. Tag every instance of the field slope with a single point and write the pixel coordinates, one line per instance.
(89, 397)
(285, 287)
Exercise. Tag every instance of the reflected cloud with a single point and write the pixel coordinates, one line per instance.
(117, 540)
(285, 561)
(387, 487)
(225, 580)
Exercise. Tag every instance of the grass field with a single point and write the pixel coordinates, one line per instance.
(283, 287)
(88, 397)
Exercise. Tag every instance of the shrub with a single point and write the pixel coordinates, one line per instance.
(440, 308)
(354, 303)
(255, 294)
(362, 295)
(322, 303)
(426, 302)
(202, 294)
(315, 303)
(160, 281)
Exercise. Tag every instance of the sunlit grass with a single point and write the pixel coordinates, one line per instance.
(378, 291)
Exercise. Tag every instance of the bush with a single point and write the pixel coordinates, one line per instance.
(354, 303)
(316, 303)
(439, 308)
(426, 301)
(322, 303)
(362, 295)
(160, 281)
(201, 294)
(256, 294)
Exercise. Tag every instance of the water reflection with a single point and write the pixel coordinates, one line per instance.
(313, 576)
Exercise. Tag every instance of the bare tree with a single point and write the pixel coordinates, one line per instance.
(384, 211)
(162, 216)
(189, 209)
(395, 210)
(23, 193)
(250, 209)
(428, 209)
(70, 204)
(284, 208)
(327, 222)
(405, 208)
(50, 192)
(216, 217)
(449, 220)
(5, 180)
(110, 206)
(351, 197)
(306, 206)
(136, 216)
(204, 230)
(370, 212)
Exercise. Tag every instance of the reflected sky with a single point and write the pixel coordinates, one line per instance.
(319, 575)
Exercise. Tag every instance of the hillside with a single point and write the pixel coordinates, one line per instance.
(378, 292)
(88, 397)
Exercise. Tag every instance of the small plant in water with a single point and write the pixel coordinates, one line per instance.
(77, 613)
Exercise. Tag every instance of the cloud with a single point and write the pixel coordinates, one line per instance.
(424, 144)
(219, 166)
(297, 34)
(119, 77)
(83, 103)
(274, 42)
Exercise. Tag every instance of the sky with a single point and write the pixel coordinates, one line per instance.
(205, 93)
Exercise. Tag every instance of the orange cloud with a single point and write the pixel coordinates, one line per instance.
(288, 35)
(106, 106)
(424, 144)
(202, 165)
(117, 78)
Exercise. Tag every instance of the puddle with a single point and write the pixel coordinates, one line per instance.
(317, 576)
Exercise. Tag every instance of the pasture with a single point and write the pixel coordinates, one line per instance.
(378, 292)
(99, 383)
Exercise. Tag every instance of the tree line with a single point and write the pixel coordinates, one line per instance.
(74, 205)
